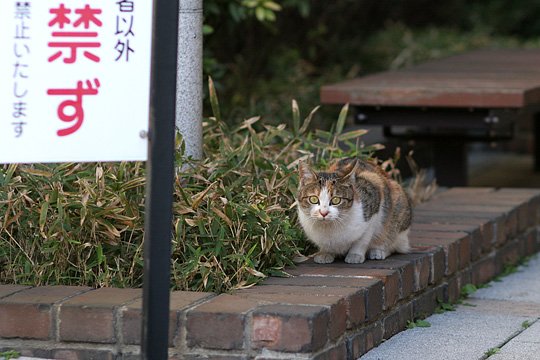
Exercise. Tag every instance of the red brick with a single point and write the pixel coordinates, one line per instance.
(205, 323)
(390, 278)
(90, 317)
(337, 307)
(511, 225)
(421, 263)
(374, 297)
(184, 356)
(29, 313)
(374, 290)
(290, 328)
(405, 268)
(83, 354)
(530, 246)
(481, 228)
(6, 290)
(355, 282)
(448, 241)
(483, 270)
(374, 301)
(483, 222)
(453, 290)
(355, 298)
(391, 324)
(437, 260)
(373, 335)
(443, 227)
(426, 303)
(464, 258)
(356, 345)
(132, 315)
(470, 207)
(523, 217)
(338, 352)
(464, 278)
(533, 218)
(507, 255)
(405, 314)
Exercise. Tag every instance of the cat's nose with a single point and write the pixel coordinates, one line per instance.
(323, 212)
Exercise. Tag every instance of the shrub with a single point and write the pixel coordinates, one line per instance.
(234, 216)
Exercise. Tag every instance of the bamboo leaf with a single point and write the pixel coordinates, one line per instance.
(223, 216)
(198, 198)
(43, 215)
(38, 172)
(352, 134)
(295, 117)
(307, 120)
(341, 119)
(272, 5)
(214, 102)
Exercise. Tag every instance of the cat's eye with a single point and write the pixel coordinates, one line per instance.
(313, 200)
(336, 200)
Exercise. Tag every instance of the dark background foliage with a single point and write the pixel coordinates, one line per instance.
(259, 64)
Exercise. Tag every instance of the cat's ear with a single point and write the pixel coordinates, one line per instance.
(349, 172)
(306, 173)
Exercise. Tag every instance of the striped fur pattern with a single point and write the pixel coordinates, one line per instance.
(355, 210)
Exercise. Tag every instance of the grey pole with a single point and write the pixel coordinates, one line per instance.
(189, 76)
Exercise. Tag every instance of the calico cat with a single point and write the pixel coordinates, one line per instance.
(352, 209)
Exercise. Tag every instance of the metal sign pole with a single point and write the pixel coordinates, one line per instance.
(159, 186)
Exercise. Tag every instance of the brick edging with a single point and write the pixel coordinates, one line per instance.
(334, 311)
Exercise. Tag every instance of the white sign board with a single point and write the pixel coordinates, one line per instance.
(74, 80)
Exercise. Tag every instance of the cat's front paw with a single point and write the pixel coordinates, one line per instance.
(352, 258)
(377, 254)
(324, 258)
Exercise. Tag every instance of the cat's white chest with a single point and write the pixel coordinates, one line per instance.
(337, 236)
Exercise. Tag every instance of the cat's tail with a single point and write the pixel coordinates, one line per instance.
(402, 245)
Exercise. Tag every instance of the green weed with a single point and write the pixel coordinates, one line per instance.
(492, 351)
(11, 354)
(417, 323)
(444, 307)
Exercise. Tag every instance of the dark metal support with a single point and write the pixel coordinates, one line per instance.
(450, 162)
(159, 186)
(448, 130)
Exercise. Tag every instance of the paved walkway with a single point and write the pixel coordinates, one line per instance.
(499, 322)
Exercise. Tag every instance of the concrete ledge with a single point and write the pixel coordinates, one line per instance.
(334, 311)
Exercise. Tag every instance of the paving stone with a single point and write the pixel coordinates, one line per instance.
(495, 319)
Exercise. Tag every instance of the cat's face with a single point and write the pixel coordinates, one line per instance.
(324, 196)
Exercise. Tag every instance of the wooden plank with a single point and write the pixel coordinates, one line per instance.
(478, 79)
